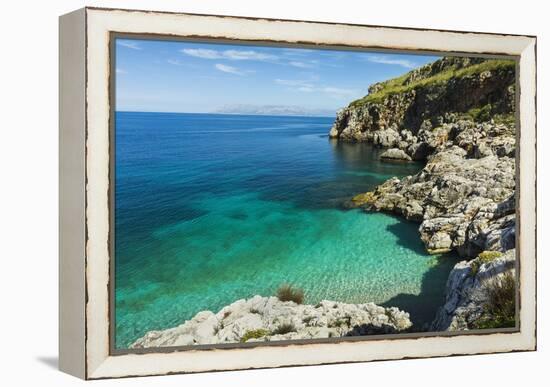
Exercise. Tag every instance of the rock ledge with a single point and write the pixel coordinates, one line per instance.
(269, 319)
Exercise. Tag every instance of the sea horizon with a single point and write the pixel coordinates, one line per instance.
(229, 114)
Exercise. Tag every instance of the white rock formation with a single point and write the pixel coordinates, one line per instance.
(268, 319)
(466, 292)
(395, 154)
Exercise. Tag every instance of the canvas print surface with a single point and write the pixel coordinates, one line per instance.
(273, 193)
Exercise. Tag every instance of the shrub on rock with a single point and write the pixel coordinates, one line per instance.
(287, 292)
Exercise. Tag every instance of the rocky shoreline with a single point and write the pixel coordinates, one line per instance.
(261, 319)
(464, 197)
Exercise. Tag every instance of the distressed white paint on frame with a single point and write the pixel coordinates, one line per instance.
(101, 22)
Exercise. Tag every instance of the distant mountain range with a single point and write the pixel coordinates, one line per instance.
(274, 110)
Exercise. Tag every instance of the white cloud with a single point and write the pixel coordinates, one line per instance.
(202, 53)
(128, 44)
(229, 54)
(293, 82)
(392, 61)
(302, 65)
(248, 55)
(309, 86)
(228, 69)
(287, 58)
(120, 71)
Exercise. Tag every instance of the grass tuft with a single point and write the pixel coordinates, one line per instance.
(481, 114)
(506, 119)
(287, 292)
(489, 256)
(340, 322)
(308, 319)
(499, 310)
(283, 329)
(254, 334)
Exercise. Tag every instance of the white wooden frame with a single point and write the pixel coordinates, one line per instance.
(84, 190)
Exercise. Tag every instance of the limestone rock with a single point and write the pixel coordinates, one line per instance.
(466, 291)
(463, 201)
(386, 137)
(426, 104)
(269, 319)
(395, 154)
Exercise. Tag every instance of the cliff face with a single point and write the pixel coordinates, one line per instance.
(443, 91)
(480, 294)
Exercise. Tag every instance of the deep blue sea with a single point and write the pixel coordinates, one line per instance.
(212, 208)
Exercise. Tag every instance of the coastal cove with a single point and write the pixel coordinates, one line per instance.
(213, 208)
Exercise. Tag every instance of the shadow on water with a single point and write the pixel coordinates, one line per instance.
(405, 236)
(422, 307)
(356, 156)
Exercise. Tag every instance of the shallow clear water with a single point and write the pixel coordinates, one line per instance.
(213, 208)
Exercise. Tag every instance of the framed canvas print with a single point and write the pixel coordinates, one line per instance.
(244, 193)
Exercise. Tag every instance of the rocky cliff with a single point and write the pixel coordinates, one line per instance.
(464, 197)
(395, 110)
(480, 294)
(456, 114)
(269, 319)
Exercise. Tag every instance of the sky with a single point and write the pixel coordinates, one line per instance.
(173, 76)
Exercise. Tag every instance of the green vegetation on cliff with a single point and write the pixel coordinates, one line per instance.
(404, 83)
(483, 258)
(451, 89)
(254, 334)
(499, 311)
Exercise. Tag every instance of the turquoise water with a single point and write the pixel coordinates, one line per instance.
(213, 208)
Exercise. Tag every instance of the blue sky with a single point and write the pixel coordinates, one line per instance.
(168, 76)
